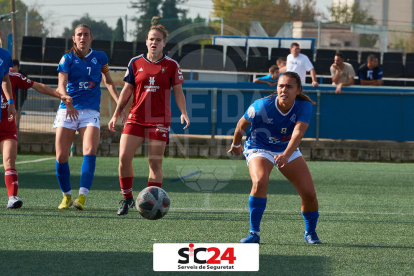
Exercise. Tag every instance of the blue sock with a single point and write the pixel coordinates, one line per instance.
(63, 176)
(257, 206)
(87, 172)
(311, 218)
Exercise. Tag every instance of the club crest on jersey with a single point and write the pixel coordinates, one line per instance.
(293, 118)
(251, 112)
(162, 69)
(1, 61)
(94, 60)
(62, 60)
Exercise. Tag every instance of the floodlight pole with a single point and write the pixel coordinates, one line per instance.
(14, 33)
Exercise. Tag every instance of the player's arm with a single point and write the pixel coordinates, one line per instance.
(109, 83)
(71, 111)
(44, 89)
(335, 74)
(180, 100)
(7, 89)
(121, 104)
(297, 135)
(370, 82)
(236, 146)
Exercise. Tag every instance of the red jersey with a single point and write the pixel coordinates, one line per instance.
(152, 82)
(18, 81)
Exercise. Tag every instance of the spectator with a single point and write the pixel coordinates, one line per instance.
(342, 73)
(370, 73)
(300, 64)
(281, 63)
(270, 79)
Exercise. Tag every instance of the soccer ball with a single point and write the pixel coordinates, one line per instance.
(153, 203)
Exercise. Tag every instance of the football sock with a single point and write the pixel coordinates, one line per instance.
(154, 184)
(11, 181)
(126, 186)
(87, 173)
(311, 218)
(257, 206)
(63, 176)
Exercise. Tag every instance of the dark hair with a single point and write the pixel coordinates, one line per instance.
(295, 76)
(274, 68)
(371, 57)
(160, 28)
(74, 48)
(16, 62)
(294, 44)
(341, 55)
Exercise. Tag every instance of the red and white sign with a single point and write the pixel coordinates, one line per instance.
(206, 257)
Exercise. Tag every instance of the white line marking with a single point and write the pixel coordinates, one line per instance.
(33, 161)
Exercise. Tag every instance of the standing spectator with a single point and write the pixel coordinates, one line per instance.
(342, 72)
(370, 73)
(281, 63)
(270, 79)
(300, 64)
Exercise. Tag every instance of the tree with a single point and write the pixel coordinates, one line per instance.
(147, 9)
(353, 15)
(118, 34)
(36, 26)
(100, 30)
(171, 17)
(304, 10)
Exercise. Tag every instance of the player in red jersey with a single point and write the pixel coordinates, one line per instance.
(149, 78)
(8, 134)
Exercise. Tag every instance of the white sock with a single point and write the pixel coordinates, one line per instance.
(68, 193)
(83, 191)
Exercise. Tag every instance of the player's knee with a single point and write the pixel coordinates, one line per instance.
(155, 166)
(90, 150)
(124, 161)
(9, 162)
(259, 185)
(62, 158)
(309, 197)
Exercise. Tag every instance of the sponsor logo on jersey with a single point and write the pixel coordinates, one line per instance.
(251, 112)
(94, 60)
(180, 77)
(1, 61)
(151, 87)
(179, 71)
(29, 81)
(293, 118)
(62, 60)
(269, 121)
(86, 85)
(76, 61)
(140, 70)
(283, 130)
(23, 78)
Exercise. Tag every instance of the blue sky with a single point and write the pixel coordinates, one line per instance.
(60, 13)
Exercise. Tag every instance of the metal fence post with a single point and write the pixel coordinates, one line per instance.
(318, 113)
(214, 113)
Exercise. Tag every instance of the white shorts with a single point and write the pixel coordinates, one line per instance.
(269, 155)
(87, 117)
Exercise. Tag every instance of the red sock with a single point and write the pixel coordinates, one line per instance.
(154, 184)
(12, 182)
(126, 186)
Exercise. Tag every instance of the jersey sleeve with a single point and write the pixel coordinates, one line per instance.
(351, 71)
(253, 113)
(64, 64)
(264, 78)
(24, 82)
(361, 75)
(379, 73)
(8, 64)
(305, 112)
(129, 74)
(177, 76)
(332, 71)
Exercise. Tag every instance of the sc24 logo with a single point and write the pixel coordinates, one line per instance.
(228, 255)
(86, 85)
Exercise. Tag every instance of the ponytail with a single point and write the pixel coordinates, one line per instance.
(74, 47)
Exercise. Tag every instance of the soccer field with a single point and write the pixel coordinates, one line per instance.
(366, 219)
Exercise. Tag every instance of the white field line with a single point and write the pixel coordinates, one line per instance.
(33, 161)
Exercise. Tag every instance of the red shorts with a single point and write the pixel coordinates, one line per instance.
(8, 136)
(159, 132)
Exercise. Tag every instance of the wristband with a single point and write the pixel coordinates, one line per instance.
(11, 101)
(234, 146)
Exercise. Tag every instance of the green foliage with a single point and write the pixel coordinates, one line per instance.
(345, 14)
(36, 26)
(118, 34)
(147, 9)
(100, 30)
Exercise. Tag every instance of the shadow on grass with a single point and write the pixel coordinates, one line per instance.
(133, 263)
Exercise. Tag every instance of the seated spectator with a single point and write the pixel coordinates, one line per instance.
(370, 73)
(270, 79)
(342, 72)
(281, 63)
